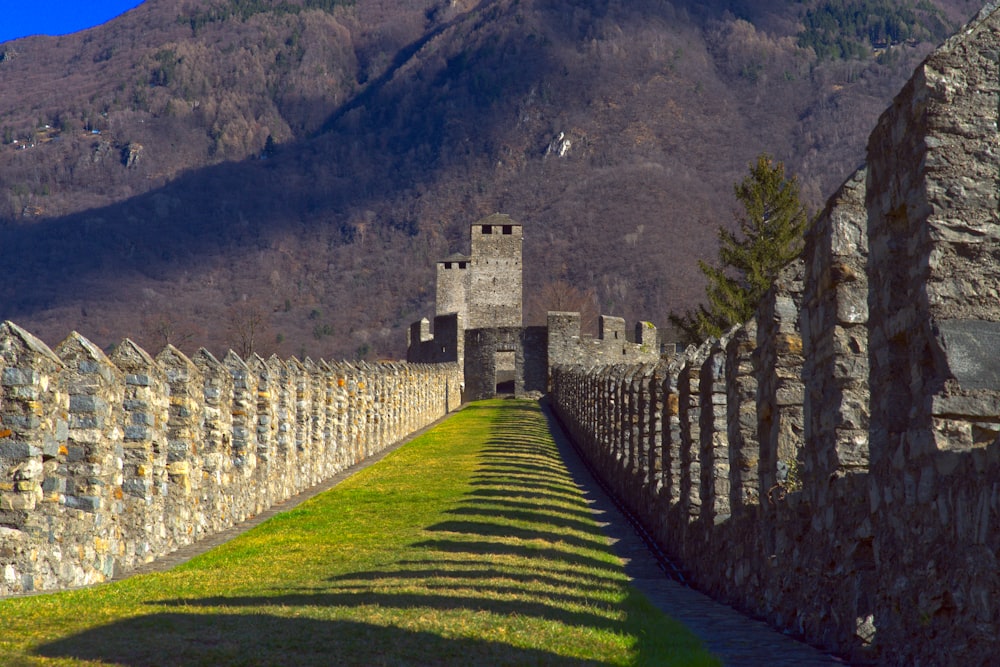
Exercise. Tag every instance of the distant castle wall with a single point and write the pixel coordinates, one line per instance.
(567, 344)
(833, 464)
(483, 372)
(446, 344)
(107, 463)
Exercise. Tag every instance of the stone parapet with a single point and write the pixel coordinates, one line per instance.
(832, 465)
(568, 345)
(108, 463)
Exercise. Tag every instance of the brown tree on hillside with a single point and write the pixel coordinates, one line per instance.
(560, 295)
(248, 328)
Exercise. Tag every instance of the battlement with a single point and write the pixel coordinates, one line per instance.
(110, 462)
(445, 345)
(496, 227)
(832, 465)
(567, 345)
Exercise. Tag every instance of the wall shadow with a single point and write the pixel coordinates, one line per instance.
(560, 570)
(166, 639)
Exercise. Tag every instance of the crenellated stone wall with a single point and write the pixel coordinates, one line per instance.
(680, 443)
(854, 424)
(108, 463)
(568, 345)
(934, 324)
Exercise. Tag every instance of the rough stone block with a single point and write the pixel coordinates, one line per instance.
(54, 485)
(85, 503)
(17, 450)
(89, 367)
(136, 433)
(138, 379)
(17, 501)
(85, 403)
(15, 377)
(23, 422)
(179, 468)
(970, 348)
(11, 518)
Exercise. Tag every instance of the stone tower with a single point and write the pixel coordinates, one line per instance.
(495, 280)
(484, 288)
(453, 282)
(478, 317)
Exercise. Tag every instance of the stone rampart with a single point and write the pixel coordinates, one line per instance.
(445, 344)
(833, 465)
(568, 345)
(110, 462)
(484, 351)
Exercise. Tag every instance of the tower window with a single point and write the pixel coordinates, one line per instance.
(461, 265)
(447, 265)
(508, 229)
(487, 229)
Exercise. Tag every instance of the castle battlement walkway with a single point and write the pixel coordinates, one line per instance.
(483, 540)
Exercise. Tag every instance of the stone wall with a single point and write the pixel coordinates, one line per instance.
(107, 463)
(568, 345)
(681, 442)
(934, 324)
(445, 344)
(832, 466)
(484, 349)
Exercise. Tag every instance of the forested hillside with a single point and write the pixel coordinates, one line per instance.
(285, 172)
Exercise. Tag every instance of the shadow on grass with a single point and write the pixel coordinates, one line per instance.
(495, 529)
(168, 639)
(501, 465)
(555, 519)
(521, 551)
(524, 482)
(459, 571)
(501, 506)
(551, 606)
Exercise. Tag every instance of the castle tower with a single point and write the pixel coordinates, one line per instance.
(495, 283)
(478, 315)
(453, 286)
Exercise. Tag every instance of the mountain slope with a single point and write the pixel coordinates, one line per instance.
(306, 168)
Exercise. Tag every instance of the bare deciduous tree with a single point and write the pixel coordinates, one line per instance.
(560, 295)
(248, 326)
(161, 329)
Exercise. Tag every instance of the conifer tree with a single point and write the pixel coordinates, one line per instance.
(768, 237)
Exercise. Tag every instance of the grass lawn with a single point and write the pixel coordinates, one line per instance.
(468, 546)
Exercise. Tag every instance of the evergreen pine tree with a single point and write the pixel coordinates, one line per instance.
(768, 237)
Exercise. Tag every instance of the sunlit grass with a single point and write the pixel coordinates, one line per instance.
(468, 546)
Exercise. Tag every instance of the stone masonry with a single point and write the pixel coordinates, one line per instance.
(108, 463)
(478, 322)
(833, 465)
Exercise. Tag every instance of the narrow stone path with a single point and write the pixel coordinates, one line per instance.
(737, 639)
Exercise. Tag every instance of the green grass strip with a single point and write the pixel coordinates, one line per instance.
(468, 546)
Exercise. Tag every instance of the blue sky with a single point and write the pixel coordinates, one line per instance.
(20, 18)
